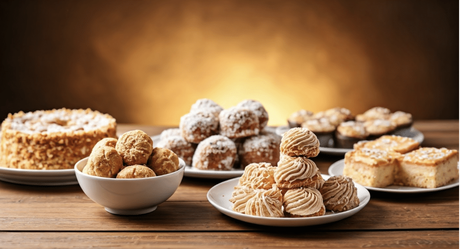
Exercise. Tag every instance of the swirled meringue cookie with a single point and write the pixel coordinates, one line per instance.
(299, 142)
(258, 176)
(303, 202)
(295, 172)
(240, 196)
(339, 194)
(265, 203)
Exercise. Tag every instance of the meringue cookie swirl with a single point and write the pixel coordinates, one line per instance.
(339, 194)
(299, 142)
(294, 172)
(303, 202)
(266, 203)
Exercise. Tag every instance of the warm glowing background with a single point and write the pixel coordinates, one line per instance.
(147, 62)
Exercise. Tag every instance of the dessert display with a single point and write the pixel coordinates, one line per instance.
(215, 153)
(131, 156)
(295, 187)
(52, 139)
(347, 129)
(243, 124)
(395, 160)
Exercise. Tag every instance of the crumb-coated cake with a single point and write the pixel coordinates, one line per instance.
(258, 176)
(391, 143)
(260, 148)
(180, 146)
(295, 172)
(199, 125)
(299, 142)
(258, 109)
(427, 168)
(297, 118)
(216, 152)
(339, 194)
(371, 167)
(348, 133)
(303, 202)
(52, 139)
(238, 122)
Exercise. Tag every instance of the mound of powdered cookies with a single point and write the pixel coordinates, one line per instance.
(130, 156)
(294, 188)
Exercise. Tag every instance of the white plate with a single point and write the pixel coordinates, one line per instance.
(39, 177)
(220, 194)
(337, 169)
(413, 133)
(211, 174)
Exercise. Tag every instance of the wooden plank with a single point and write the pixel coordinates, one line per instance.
(285, 238)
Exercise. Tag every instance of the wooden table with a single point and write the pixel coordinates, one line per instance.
(63, 217)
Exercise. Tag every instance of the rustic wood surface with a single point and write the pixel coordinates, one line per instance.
(64, 217)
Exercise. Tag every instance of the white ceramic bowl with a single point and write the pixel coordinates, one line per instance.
(129, 196)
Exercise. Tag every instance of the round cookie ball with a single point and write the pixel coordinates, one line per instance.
(237, 122)
(163, 161)
(215, 153)
(206, 105)
(108, 141)
(259, 110)
(134, 147)
(104, 161)
(180, 146)
(199, 125)
(136, 171)
(258, 149)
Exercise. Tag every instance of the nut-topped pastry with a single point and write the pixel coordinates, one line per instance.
(299, 142)
(374, 113)
(215, 153)
(52, 139)
(237, 122)
(339, 194)
(371, 167)
(391, 143)
(295, 172)
(303, 202)
(297, 118)
(258, 109)
(427, 168)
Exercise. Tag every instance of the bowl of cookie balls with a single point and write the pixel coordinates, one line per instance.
(128, 176)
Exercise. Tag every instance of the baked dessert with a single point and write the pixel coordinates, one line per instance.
(297, 118)
(206, 105)
(403, 122)
(108, 141)
(335, 115)
(371, 167)
(379, 127)
(215, 153)
(265, 203)
(323, 129)
(180, 146)
(136, 171)
(52, 139)
(348, 133)
(391, 143)
(427, 168)
(198, 125)
(163, 161)
(374, 113)
(339, 194)
(238, 122)
(240, 196)
(134, 147)
(258, 109)
(258, 176)
(169, 133)
(258, 149)
(104, 161)
(299, 142)
(303, 202)
(295, 172)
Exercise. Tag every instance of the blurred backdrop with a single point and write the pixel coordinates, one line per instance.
(147, 62)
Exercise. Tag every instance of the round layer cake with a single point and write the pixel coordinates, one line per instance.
(52, 139)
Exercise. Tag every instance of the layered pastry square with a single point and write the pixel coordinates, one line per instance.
(371, 167)
(427, 168)
(391, 143)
